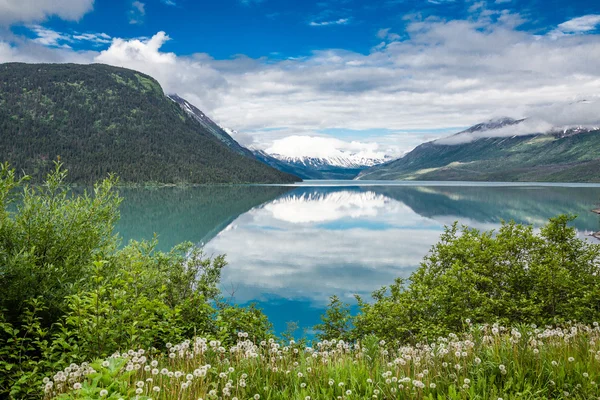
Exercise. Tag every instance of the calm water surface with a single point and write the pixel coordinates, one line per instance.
(291, 247)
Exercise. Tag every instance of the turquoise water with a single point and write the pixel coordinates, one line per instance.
(291, 247)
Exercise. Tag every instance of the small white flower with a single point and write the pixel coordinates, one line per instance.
(103, 393)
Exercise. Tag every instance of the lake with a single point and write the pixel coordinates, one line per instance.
(291, 247)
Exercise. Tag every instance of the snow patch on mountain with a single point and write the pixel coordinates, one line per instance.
(318, 152)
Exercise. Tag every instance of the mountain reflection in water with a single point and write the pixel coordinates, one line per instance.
(289, 249)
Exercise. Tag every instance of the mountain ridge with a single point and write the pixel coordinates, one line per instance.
(344, 168)
(563, 155)
(102, 119)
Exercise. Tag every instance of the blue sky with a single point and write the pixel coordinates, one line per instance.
(286, 28)
(392, 72)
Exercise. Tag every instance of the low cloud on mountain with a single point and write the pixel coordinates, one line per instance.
(323, 147)
(545, 119)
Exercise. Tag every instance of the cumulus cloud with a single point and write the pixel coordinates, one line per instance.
(323, 147)
(440, 74)
(24, 11)
(191, 77)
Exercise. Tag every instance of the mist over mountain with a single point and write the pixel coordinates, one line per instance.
(503, 149)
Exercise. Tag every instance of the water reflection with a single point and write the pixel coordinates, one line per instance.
(290, 249)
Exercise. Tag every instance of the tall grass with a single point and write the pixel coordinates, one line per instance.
(485, 362)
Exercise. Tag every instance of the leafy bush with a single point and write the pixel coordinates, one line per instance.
(48, 243)
(510, 276)
(70, 294)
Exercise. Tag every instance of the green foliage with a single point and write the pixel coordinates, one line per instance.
(102, 119)
(48, 243)
(510, 276)
(336, 322)
(70, 294)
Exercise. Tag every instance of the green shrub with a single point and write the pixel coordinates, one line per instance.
(511, 276)
(48, 243)
(70, 294)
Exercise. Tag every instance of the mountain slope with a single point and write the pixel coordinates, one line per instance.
(210, 126)
(101, 119)
(566, 156)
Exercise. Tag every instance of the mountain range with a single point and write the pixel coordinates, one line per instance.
(101, 119)
(344, 166)
(500, 150)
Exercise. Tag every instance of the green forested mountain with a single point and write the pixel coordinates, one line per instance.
(100, 119)
(558, 157)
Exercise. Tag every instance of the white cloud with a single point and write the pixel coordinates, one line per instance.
(48, 37)
(387, 35)
(307, 208)
(314, 262)
(323, 147)
(546, 119)
(441, 74)
(137, 12)
(52, 38)
(581, 24)
(24, 11)
(98, 38)
(341, 21)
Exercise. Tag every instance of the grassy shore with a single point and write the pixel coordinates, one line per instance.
(486, 362)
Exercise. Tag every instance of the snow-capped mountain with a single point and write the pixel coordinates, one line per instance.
(338, 164)
(345, 166)
(347, 160)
